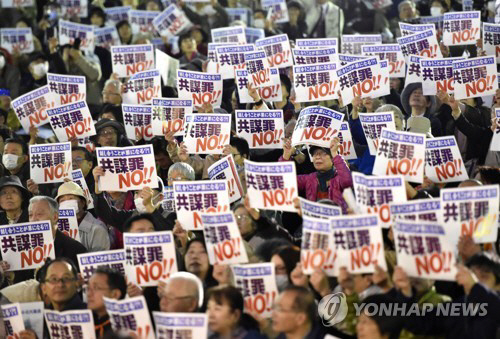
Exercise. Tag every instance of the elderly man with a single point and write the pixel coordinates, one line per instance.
(13, 201)
(111, 93)
(109, 133)
(183, 292)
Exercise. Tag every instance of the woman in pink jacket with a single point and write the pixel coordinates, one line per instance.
(332, 175)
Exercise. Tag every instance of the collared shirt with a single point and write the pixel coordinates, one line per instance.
(93, 234)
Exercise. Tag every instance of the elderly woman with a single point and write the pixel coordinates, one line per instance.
(14, 200)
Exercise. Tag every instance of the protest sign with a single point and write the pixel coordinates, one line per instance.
(242, 14)
(67, 88)
(437, 75)
(168, 202)
(172, 21)
(116, 14)
(89, 262)
(391, 53)
(71, 121)
(32, 313)
(344, 59)
(142, 87)
(17, 3)
(127, 168)
(401, 153)
(207, 133)
(211, 54)
(168, 67)
(461, 28)
(358, 243)
(425, 250)
(424, 44)
(27, 245)
(443, 161)
(128, 60)
(471, 211)
(375, 194)
(12, 320)
(475, 77)
(278, 51)
(313, 56)
(279, 10)
(270, 185)
(234, 35)
(259, 71)
(231, 58)
(417, 210)
(261, 129)
(30, 108)
(316, 125)
(495, 141)
(168, 115)
(202, 88)
(180, 325)
(149, 257)
(201, 196)
(317, 246)
(68, 224)
(364, 78)
(223, 239)
(467, 5)
(315, 82)
(142, 21)
(130, 316)
(409, 29)
(317, 210)
(69, 31)
(491, 40)
(137, 121)
(77, 177)
(72, 8)
(70, 324)
(413, 71)
(271, 93)
(225, 168)
(325, 43)
(346, 146)
(351, 44)
(257, 284)
(372, 124)
(50, 162)
(17, 40)
(253, 34)
(437, 21)
(106, 37)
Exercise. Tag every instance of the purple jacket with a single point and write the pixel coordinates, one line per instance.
(342, 180)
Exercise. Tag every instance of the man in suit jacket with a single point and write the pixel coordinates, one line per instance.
(324, 19)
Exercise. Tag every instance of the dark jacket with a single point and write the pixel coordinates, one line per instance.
(65, 246)
(22, 218)
(102, 326)
(221, 19)
(74, 303)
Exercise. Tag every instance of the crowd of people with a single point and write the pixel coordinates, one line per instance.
(269, 236)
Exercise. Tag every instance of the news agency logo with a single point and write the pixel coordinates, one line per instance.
(332, 309)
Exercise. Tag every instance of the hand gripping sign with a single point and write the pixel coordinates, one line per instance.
(180, 325)
(357, 241)
(50, 163)
(69, 31)
(304, 56)
(317, 125)
(106, 37)
(372, 124)
(137, 120)
(68, 224)
(261, 129)
(168, 115)
(422, 210)
(461, 28)
(315, 82)
(476, 77)
(231, 58)
(130, 316)
(409, 29)
(142, 21)
(425, 250)
(346, 147)
(116, 14)
(401, 153)
(12, 320)
(278, 51)
(317, 246)
(172, 21)
(375, 194)
(149, 257)
(326, 43)
(27, 245)
(223, 238)
(269, 93)
(225, 168)
(142, 87)
(257, 284)
(234, 35)
(71, 121)
(77, 177)
(495, 141)
(168, 202)
(33, 316)
(211, 53)
(207, 133)
(17, 40)
(351, 44)
(317, 210)
(67, 88)
(443, 161)
(422, 44)
(31, 107)
(78, 324)
(258, 69)
(128, 60)
(202, 196)
(491, 40)
(89, 262)
(437, 75)
(391, 53)
(127, 168)
(471, 211)
(202, 88)
(271, 185)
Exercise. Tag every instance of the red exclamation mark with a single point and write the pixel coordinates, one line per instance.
(87, 122)
(493, 79)
(459, 167)
(46, 250)
(67, 166)
(327, 134)
(268, 301)
(277, 90)
(290, 197)
(348, 148)
(145, 171)
(420, 161)
(327, 260)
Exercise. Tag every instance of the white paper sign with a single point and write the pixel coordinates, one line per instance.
(424, 44)
(130, 316)
(310, 56)
(12, 320)
(461, 28)
(168, 115)
(437, 75)
(71, 121)
(346, 147)
(317, 125)
(116, 14)
(202, 88)
(476, 77)
(261, 129)
(351, 44)
(414, 70)
(253, 34)
(207, 133)
(391, 53)
(142, 87)
(67, 88)
(168, 67)
(137, 120)
(318, 43)
(278, 51)
(79, 323)
(172, 21)
(77, 177)
(231, 58)
(279, 10)
(271, 93)
(225, 168)
(258, 68)
(317, 210)
(180, 325)
(422, 210)
(372, 124)
(68, 223)
(72, 8)
(491, 40)
(33, 317)
(17, 40)
(50, 162)
(443, 161)
(409, 29)
(128, 60)
(30, 108)
(89, 262)
(69, 31)
(317, 246)
(106, 37)
(235, 35)
(142, 21)
(315, 82)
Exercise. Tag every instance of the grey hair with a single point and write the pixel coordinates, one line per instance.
(186, 170)
(394, 109)
(114, 82)
(186, 276)
(406, 2)
(53, 205)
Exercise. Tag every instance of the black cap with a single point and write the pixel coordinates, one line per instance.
(37, 55)
(313, 149)
(13, 180)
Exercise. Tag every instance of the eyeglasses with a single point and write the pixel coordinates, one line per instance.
(175, 178)
(241, 217)
(107, 133)
(171, 299)
(78, 160)
(54, 281)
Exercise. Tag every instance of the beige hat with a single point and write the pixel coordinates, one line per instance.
(70, 187)
(419, 125)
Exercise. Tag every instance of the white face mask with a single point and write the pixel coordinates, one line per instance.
(40, 70)
(281, 281)
(208, 10)
(10, 161)
(67, 204)
(259, 23)
(2, 61)
(436, 11)
(139, 205)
